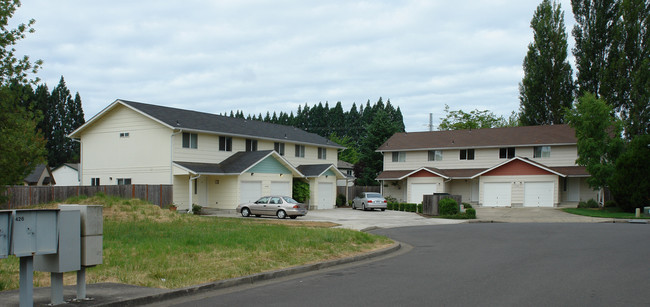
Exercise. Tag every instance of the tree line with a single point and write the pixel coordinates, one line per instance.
(361, 130)
(609, 103)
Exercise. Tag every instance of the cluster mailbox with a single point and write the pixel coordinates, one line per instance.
(5, 234)
(34, 232)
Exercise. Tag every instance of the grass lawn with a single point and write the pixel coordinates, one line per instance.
(614, 213)
(147, 246)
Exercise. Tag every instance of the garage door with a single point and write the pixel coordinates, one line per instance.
(538, 194)
(325, 195)
(496, 194)
(419, 189)
(250, 191)
(280, 188)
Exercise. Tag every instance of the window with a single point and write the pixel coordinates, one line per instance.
(300, 151)
(399, 156)
(322, 153)
(506, 153)
(467, 154)
(542, 152)
(435, 155)
(123, 181)
(279, 148)
(190, 140)
(225, 143)
(94, 182)
(124, 134)
(251, 145)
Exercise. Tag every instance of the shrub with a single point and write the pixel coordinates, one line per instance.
(467, 205)
(340, 200)
(420, 208)
(300, 190)
(401, 206)
(196, 209)
(447, 206)
(470, 213)
(589, 204)
(610, 204)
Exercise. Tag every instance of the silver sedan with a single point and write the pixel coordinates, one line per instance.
(369, 200)
(280, 206)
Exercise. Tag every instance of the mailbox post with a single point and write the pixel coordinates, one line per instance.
(5, 233)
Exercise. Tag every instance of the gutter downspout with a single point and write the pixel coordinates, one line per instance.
(189, 206)
(81, 159)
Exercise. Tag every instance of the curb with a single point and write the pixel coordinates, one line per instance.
(251, 279)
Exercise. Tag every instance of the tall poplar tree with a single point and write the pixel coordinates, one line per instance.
(546, 90)
(629, 69)
(593, 41)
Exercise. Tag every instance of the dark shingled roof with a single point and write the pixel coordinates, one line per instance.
(313, 170)
(212, 123)
(492, 137)
(235, 164)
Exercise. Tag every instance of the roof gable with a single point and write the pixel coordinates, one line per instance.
(317, 170)
(492, 137)
(518, 166)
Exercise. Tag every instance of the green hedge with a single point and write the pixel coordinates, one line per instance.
(447, 206)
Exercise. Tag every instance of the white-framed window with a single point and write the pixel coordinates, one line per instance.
(190, 140)
(542, 152)
(94, 182)
(123, 181)
(435, 155)
(322, 153)
(467, 154)
(251, 145)
(506, 153)
(279, 148)
(225, 143)
(399, 156)
(124, 134)
(300, 151)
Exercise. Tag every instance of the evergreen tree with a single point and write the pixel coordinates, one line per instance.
(547, 87)
(370, 161)
(64, 115)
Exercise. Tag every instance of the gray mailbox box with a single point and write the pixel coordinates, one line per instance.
(69, 256)
(34, 232)
(5, 233)
(92, 230)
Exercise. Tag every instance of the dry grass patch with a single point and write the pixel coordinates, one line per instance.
(147, 246)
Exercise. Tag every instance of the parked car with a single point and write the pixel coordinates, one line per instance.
(369, 200)
(280, 206)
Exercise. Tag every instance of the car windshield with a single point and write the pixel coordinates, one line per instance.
(262, 200)
(373, 195)
(290, 200)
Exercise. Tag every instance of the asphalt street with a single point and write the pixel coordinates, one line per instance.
(481, 264)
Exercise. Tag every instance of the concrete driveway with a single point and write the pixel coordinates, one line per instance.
(532, 215)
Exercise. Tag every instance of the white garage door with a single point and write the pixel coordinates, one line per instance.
(496, 194)
(420, 189)
(280, 188)
(325, 195)
(250, 191)
(538, 194)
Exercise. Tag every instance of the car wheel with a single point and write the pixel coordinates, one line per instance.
(364, 207)
(293, 217)
(257, 215)
(281, 214)
(354, 207)
(245, 212)
(382, 209)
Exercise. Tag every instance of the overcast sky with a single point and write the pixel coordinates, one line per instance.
(259, 56)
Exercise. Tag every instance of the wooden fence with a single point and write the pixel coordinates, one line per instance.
(24, 196)
(355, 190)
